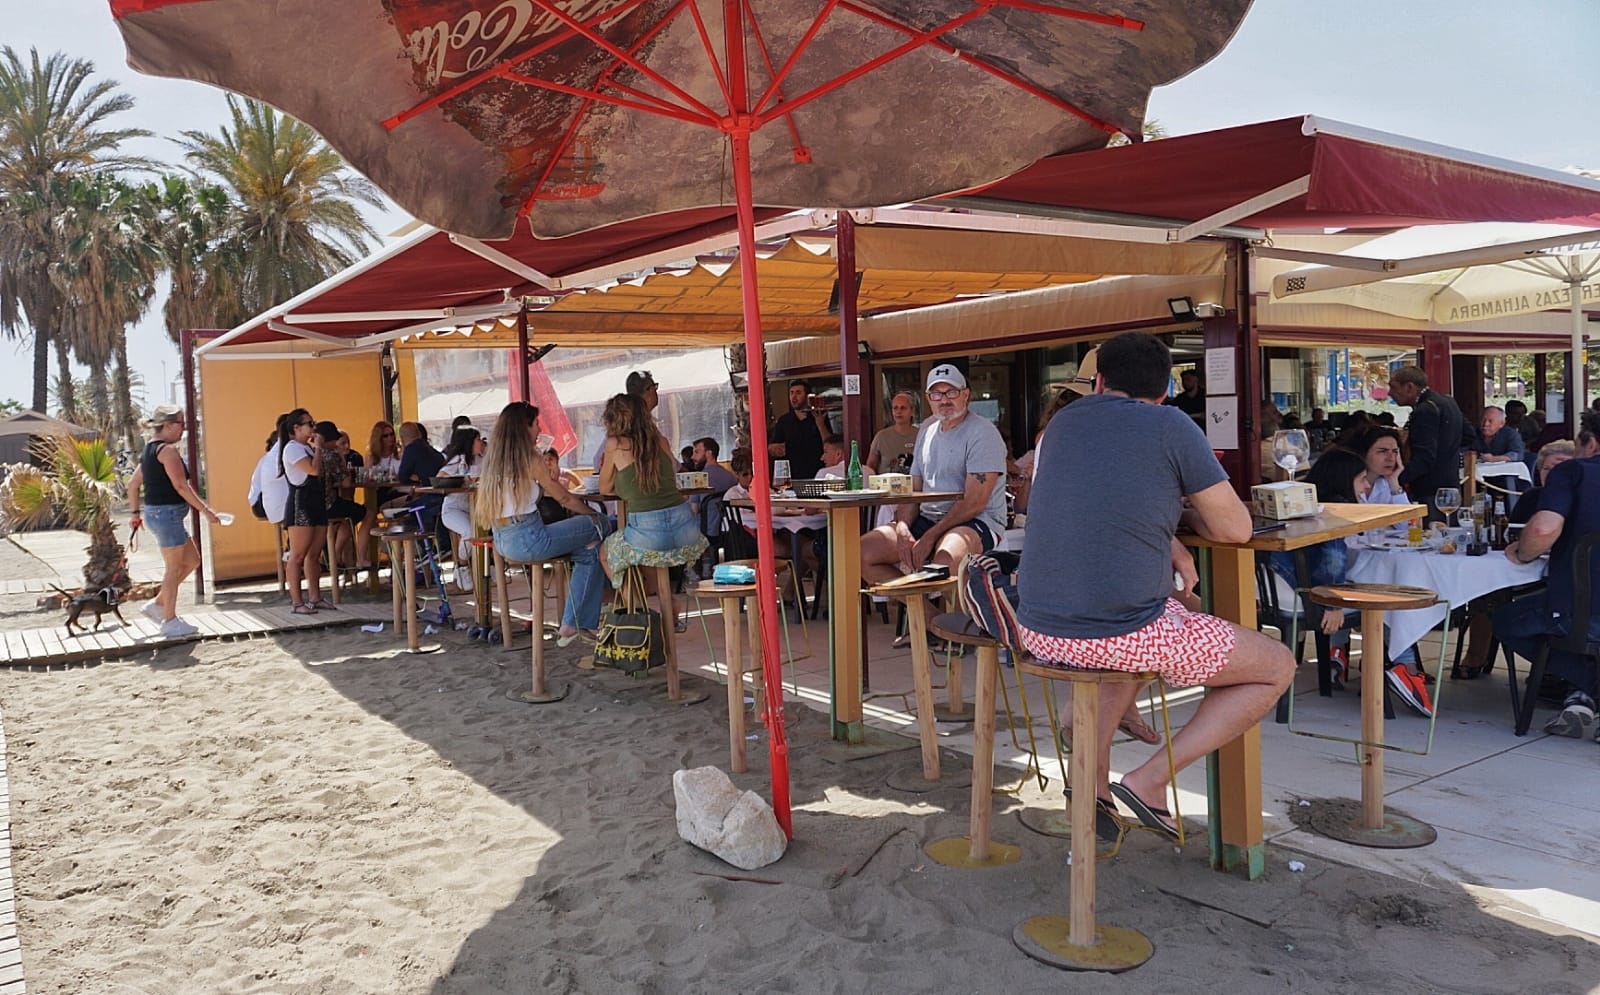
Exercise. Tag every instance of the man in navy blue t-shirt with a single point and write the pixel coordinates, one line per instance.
(1569, 508)
(1111, 474)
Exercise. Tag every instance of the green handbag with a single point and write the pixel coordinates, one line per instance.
(631, 639)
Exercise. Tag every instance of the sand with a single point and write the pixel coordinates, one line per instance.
(319, 813)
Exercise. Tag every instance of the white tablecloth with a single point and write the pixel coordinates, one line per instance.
(1511, 468)
(1457, 578)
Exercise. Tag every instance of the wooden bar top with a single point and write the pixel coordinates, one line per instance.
(870, 501)
(1334, 522)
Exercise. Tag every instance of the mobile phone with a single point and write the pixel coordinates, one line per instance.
(1258, 527)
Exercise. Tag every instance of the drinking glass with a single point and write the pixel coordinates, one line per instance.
(1291, 449)
(1448, 500)
(780, 474)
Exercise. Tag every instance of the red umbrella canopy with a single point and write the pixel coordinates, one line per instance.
(578, 113)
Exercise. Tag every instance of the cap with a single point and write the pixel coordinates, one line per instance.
(327, 430)
(640, 381)
(945, 373)
(163, 414)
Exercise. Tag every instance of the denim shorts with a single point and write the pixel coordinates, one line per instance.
(165, 522)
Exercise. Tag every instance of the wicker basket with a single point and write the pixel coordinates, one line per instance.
(818, 487)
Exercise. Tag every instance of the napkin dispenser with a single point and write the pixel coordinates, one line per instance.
(898, 484)
(1284, 499)
(694, 479)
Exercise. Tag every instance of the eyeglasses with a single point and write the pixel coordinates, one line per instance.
(940, 395)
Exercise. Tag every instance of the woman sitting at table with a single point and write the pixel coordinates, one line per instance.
(1551, 455)
(513, 479)
(638, 467)
(1379, 449)
(383, 460)
(463, 458)
(337, 490)
(1342, 477)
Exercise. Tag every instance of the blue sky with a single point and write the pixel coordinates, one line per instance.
(1502, 78)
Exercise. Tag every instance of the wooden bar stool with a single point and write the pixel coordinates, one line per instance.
(403, 571)
(1375, 827)
(560, 568)
(914, 594)
(1077, 941)
(731, 598)
(976, 850)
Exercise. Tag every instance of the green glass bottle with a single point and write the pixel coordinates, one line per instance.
(853, 469)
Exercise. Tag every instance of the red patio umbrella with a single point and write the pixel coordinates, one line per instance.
(572, 114)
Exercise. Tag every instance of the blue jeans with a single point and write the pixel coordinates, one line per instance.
(529, 538)
(1519, 623)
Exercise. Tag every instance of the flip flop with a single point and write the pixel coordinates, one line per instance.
(302, 609)
(1107, 826)
(324, 605)
(1147, 814)
(1141, 730)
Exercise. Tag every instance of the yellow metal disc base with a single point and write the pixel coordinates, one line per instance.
(1046, 821)
(954, 851)
(548, 698)
(1116, 948)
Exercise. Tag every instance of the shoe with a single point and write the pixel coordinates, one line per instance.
(1340, 658)
(153, 611)
(302, 609)
(1107, 823)
(176, 628)
(1148, 815)
(1411, 689)
(1576, 718)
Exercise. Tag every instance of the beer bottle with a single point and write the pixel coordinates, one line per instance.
(1502, 525)
(853, 470)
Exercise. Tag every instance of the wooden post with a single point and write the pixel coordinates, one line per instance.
(536, 594)
(1081, 930)
(394, 582)
(1239, 762)
(983, 755)
(1372, 719)
(502, 599)
(922, 677)
(412, 642)
(731, 639)
(844, 585)
(669, 622)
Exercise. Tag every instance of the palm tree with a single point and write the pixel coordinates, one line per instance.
(53, 122)
(77, 482)
(298, 220)
(203, 257)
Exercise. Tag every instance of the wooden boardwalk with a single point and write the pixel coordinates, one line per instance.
(11, 982)
(46, 646)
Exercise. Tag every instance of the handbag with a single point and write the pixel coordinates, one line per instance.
(631, 639)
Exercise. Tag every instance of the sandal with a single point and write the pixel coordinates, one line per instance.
(1107, 823)
(1137, 728)
(1152, 817)
(302, 608)
(324, 605)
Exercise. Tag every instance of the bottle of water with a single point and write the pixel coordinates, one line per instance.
(853, 469)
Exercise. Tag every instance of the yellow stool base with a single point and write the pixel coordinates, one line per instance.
(1117, 948)
(548, 698)
(955, 851)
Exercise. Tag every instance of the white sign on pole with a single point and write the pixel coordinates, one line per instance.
(1220, 371)
(852, 383)
(1222, 421)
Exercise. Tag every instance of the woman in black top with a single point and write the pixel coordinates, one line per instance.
(159, 494)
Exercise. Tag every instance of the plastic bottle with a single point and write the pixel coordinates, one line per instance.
(853, 469)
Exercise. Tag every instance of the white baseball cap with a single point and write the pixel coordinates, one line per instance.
(945, 373)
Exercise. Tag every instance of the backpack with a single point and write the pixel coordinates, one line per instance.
(987, 587)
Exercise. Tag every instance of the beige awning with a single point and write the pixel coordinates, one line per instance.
(942, 250)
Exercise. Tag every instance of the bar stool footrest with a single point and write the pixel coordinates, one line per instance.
(955, 851)
(1116, 948)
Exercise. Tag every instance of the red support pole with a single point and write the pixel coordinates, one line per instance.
(756, 363)
(522, 352)
(855, 424)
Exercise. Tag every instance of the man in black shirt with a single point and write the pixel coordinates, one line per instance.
(1436, 434)
(419, 462)
(797, 436)
(1191, 400)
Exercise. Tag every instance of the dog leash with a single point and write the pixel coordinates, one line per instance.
(133, 539)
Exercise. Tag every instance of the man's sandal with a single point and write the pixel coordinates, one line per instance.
(303, 609)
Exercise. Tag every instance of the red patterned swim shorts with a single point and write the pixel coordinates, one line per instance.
(1184, 647)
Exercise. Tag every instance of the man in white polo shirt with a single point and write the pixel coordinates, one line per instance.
(958, 452)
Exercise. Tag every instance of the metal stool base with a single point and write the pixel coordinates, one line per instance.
(1399, 832)
(1118, 948)
(942, 713)
(1046, 821)
(955, 851)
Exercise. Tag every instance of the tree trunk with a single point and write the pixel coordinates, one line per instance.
(123, 400)
(41, 367)
(66, 396)
(108, 563)
(100, 395)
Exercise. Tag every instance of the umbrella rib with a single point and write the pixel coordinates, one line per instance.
(711, 54)
(549, 7)
(977, 63)
(503, 67)
(801, 153)
(665, 109)
(794, 57)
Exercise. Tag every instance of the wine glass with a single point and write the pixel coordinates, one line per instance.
(1291, 449)
(1447, 500)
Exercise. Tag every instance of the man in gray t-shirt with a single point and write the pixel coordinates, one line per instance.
(957, 452)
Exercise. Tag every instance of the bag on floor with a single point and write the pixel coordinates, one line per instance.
(631, 638)
(987, 587)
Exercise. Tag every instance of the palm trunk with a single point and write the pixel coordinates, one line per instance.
(41, 368)
(66, 396)
(123, 386)
(108, 563)
(100, 395)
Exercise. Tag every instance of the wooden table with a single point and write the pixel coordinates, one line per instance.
(1235, 789)
(844, 588)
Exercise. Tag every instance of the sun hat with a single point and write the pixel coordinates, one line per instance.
(163, 414)
(945, 373)
(640, 381)
(1082, 382)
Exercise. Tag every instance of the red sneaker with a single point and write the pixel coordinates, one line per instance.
(1411, 689)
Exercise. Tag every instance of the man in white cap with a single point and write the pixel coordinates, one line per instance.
(956, 451)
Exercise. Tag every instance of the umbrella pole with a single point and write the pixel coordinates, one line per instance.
(522, 351)
(1578, 400)
(738, 130)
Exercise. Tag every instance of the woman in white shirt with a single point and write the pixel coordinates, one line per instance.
(513, 479)
(465, 453)
(306, 514)
(1379, 448)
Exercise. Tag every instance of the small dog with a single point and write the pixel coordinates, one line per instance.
(100, 602)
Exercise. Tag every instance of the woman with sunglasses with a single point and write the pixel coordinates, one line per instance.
(513, 479)
(160, 484)
(306, 518)
(383, 457)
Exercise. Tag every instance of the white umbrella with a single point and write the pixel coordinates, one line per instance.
(1452, 274)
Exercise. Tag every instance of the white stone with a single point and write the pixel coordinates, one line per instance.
(714, 815)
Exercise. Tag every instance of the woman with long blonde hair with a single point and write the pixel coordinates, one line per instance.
(513, 478)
